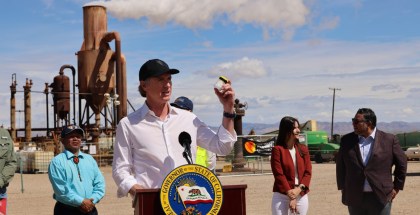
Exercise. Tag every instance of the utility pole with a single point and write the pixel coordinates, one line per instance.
(332, 115)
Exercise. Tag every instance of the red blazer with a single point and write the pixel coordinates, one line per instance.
(284, 169)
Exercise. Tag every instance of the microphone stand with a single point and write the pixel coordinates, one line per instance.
(187, 156)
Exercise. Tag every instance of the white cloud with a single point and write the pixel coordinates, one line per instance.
(271, 13)
(328, 23)
(386, 87)
(242, 68)
(408, 110)
(276, 15)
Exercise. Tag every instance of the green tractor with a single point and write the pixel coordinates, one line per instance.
(320, 149)
(317, 141)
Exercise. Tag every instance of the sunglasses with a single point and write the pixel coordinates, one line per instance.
(356, 121)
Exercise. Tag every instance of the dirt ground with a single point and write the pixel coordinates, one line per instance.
(324, 197)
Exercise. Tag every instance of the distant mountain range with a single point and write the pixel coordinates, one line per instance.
(339, 127)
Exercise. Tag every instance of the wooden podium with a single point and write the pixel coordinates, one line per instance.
(147, 201)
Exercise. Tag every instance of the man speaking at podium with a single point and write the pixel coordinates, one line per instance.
(146, 145)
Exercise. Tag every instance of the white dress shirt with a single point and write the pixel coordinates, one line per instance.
(146, 148)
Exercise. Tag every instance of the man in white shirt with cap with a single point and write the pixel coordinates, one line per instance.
(147, 147)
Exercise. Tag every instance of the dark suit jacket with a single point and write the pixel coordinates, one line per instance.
(284, 169)
(351, 172)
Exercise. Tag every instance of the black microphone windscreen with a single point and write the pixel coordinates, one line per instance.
(184, 138)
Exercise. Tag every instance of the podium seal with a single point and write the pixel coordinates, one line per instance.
(191, 189)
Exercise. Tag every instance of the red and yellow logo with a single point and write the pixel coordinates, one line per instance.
(250, 147)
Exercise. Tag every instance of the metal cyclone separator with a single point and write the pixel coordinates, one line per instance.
(100, 69)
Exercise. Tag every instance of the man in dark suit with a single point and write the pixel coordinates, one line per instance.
(364, 167)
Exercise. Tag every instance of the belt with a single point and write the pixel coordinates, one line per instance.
(67, 206)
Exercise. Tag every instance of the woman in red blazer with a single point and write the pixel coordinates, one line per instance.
(292, 170)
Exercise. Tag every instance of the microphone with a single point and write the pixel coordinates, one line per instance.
(185, 140)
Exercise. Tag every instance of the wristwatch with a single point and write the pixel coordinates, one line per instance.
(302, 187)
(229, 115)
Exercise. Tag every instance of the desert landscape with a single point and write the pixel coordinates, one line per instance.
(324, 198)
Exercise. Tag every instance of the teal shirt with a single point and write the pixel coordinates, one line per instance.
(64, 177)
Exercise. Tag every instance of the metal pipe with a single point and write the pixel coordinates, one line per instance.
(27, 109)
(123, 91)
(55, 122)
(73, 72)
(13, 107)
(106, 116)
(80, 111)
(120, 74)
(74, 95)
(46, 106)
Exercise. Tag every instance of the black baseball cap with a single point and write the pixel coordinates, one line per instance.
(154, 67)
(70, 129)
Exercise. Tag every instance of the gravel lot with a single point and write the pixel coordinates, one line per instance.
(324, 197)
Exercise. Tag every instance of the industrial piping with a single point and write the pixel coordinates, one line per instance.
(120, 73)
(73, 72)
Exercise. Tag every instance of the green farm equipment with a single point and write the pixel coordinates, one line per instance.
(319, 147)
(410, 139)
(317, 141)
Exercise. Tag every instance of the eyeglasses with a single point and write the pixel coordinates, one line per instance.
(356, 121)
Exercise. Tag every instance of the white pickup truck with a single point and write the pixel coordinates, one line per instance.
(413, 153)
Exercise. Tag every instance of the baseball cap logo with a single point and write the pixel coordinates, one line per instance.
(71, 128)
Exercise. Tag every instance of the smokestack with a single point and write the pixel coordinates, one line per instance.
(27, 108)
(94, 26)
(13, 108)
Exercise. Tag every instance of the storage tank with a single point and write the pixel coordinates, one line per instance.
(61, 95)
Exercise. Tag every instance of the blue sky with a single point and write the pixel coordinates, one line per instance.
(282, 56)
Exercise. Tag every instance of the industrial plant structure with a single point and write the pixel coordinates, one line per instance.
(98, 87)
